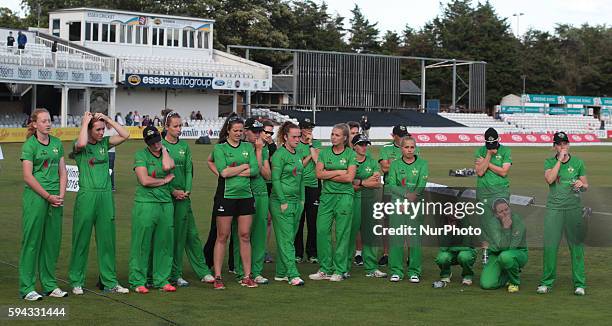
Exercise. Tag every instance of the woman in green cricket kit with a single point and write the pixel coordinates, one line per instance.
(287, 201)
(94, 206)
(152, 215)
(44, 174)
(336, 168)
(406, 180)
(566, 178)
(186, 237)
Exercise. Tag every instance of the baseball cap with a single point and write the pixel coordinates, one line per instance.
(253, 125)
(491, 138)
(400, 131)
(360, 138)
(560, 137)
(151, 135)
(306, 123)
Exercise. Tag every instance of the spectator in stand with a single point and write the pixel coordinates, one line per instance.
(198, 116)
(10, 40)
(129, 119)
(136, 118)
(22, 39)
(365, 126)
(156, 122)
(145, 121)
(119, 119)
(192, 116)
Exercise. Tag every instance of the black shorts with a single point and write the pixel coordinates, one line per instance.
(235, 207)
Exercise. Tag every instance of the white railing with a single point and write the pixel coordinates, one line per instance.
(102, 63)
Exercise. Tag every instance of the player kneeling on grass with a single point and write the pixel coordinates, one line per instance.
(152, 215)
(94, 206)
(505, 245)
(566, 179)
(455, 250)
(287, 201)
(186, 238)
(44, 173)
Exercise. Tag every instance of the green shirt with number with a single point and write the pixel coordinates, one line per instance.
(45, 161)
(287, 176)
(183, 164)
(93, 164)
(407, 177)
(561, 194)
(258, 183)
(153, 164)
(492, 183)
(332, 161)
(365, 169)
(225, 155)
(310, 175)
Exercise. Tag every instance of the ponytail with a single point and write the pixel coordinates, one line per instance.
(33, 118)
(231, 120)
(283, 131)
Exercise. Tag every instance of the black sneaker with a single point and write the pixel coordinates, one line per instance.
(384, 260)
(268, 258)
(358, 260)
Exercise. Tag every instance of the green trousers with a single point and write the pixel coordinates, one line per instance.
(396, 247)
(93, 209)
(556, 223)
(152, 232)
(362, 219)
(259, 230)
(338, 208)
(503, 267)
(40, 245)
(463, 257)
(355, 227)
(187, 239)
(285, 226)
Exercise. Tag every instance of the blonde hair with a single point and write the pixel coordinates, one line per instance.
(345, 131)
(33, 118)
(407, 138)
(283, 131)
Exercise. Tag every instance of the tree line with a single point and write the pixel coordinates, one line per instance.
(570, 60)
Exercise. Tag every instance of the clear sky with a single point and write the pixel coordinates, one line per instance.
(395, 14)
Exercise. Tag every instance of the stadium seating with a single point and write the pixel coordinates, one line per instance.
(377, 119)
(552, 123)
(477, 120)
(40, 55)
(181, 67)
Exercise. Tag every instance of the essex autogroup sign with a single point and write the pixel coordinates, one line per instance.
(175, 82)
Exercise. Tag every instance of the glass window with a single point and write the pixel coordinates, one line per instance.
(206, 39)
(161, 36)
(113, 32)
(130, 28)
(170, 34)
(155, 35)
(200, 35)
(95, 35)
(74, 31)
(56, 24)
(122, 34)
(192, 39)
(145, 35)
(138, 34)
(87, 31)
(184, 38)
(177, 37)
(104, 32)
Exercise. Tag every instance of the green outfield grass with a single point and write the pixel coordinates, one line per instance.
(356, 301)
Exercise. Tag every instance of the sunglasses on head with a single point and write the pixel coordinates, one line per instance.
(235, 118)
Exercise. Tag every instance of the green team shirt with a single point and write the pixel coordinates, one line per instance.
(332, 161)
(183, 164)
(365, 169)
(310, 176)
(501, 239)
(92, 161)
(45, 161)
(560, 194)
(287, 176)
(161, 194)
(392, 152)
(225, 155)
(405, 177)
(492, 182)
(258, 183)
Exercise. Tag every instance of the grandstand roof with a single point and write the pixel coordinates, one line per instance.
(283, 84)
(125, 12)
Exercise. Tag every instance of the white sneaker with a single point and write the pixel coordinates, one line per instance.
(119, 289)
(395, 278)
(414, 279)
(296, 281)
(346, 275)
(33, 296)
(319, 276)
(447, 279)
(377, 274)
(543, 289)
(260, 280)
(466, 282)
(281, 279)
(181, 282)
(77, 290)
(57, 293)
(208, 279)
(579, 291)
(336, 278)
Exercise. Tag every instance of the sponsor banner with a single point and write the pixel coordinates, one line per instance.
(478, 139)
(182, 82)
(609, 133)
(73, 178)
(601, 134)
(41, 74)
(511, 109)
(566, 99)
(18, 135)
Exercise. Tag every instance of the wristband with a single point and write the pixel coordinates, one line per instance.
(360, 182)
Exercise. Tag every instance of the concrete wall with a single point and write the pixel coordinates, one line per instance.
(151, 102)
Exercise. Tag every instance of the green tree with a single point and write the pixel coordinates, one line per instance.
(8, 19)
(363, 36)
(390, 43)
